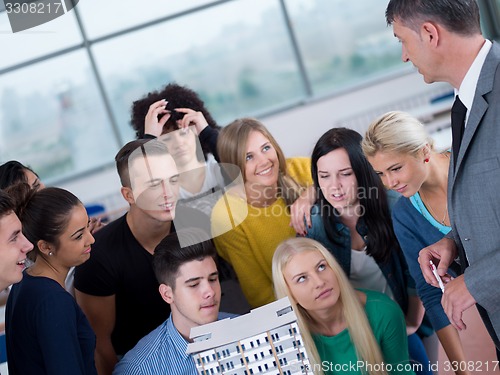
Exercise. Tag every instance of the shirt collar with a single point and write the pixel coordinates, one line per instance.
(467, 88)
(179, 342)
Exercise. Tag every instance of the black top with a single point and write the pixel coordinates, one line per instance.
(46, 331)
(120, 266)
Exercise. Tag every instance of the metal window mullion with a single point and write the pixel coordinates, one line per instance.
(296, 51)
(100, 84)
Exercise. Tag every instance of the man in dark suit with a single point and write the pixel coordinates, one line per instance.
(443, 40)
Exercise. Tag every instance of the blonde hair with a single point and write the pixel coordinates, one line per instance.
(398, 132)
(232, 145)
(365, 344)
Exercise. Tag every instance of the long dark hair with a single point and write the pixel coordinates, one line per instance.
(371, 193)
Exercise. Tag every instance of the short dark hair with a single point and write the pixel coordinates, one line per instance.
(13, 172)
(169, 256)
(459, 16)
(6, 204)
(44, 214)
(126, 155)
(177, 97)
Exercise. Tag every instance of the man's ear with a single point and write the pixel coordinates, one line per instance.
(128, 194)
(166, 293)
(429, 32)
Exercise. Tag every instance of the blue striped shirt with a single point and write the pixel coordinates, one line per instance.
(162, 351)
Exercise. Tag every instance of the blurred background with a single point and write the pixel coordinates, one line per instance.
(300, 66)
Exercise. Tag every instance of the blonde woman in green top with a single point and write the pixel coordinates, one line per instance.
(344, 330)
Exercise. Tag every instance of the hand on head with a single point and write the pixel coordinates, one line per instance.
(192, 117)
(153, 123)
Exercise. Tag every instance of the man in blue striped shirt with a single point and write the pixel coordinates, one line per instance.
(189, 283)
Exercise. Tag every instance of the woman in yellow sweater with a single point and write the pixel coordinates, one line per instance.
(250, 223)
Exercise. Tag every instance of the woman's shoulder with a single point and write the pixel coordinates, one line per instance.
(392, 198)
(377, 301)
(299, 168)
(231, 204)
(39, 290)
(402, 207)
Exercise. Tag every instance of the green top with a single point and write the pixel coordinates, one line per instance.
(338, 354)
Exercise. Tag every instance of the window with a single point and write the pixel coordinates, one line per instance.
(48, 38)
(53, 119)
(66, 88)
(343, 42)
(105, 17)
(241, 63)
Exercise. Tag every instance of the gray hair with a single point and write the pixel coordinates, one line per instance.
(458, 16)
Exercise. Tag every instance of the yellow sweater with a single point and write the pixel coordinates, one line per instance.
(249, 247)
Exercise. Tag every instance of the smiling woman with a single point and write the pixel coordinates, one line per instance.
(271, 185)
(48, 333)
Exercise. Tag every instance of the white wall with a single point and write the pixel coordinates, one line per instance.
(298, 129)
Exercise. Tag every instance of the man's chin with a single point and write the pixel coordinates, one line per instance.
(162, 215)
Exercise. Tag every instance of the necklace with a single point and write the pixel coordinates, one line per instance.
(432, 211)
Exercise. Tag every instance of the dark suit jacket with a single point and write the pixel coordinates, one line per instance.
(474, 191)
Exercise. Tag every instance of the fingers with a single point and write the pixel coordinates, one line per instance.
(453, 313)
(157, 108)
(424, 259)
(192, 117)
(456, 299)
(300, 216)
(95, 224)
(298, 225)
(447, 256)
(307, 216)
(297, 218)
(152, 125)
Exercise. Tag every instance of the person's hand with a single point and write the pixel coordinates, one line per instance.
(192, 117)
(152, 125)
(300, 211)
(95, 224)
(442, 254)
(456, 299)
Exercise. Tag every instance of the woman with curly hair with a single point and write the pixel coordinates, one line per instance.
(172, 108)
